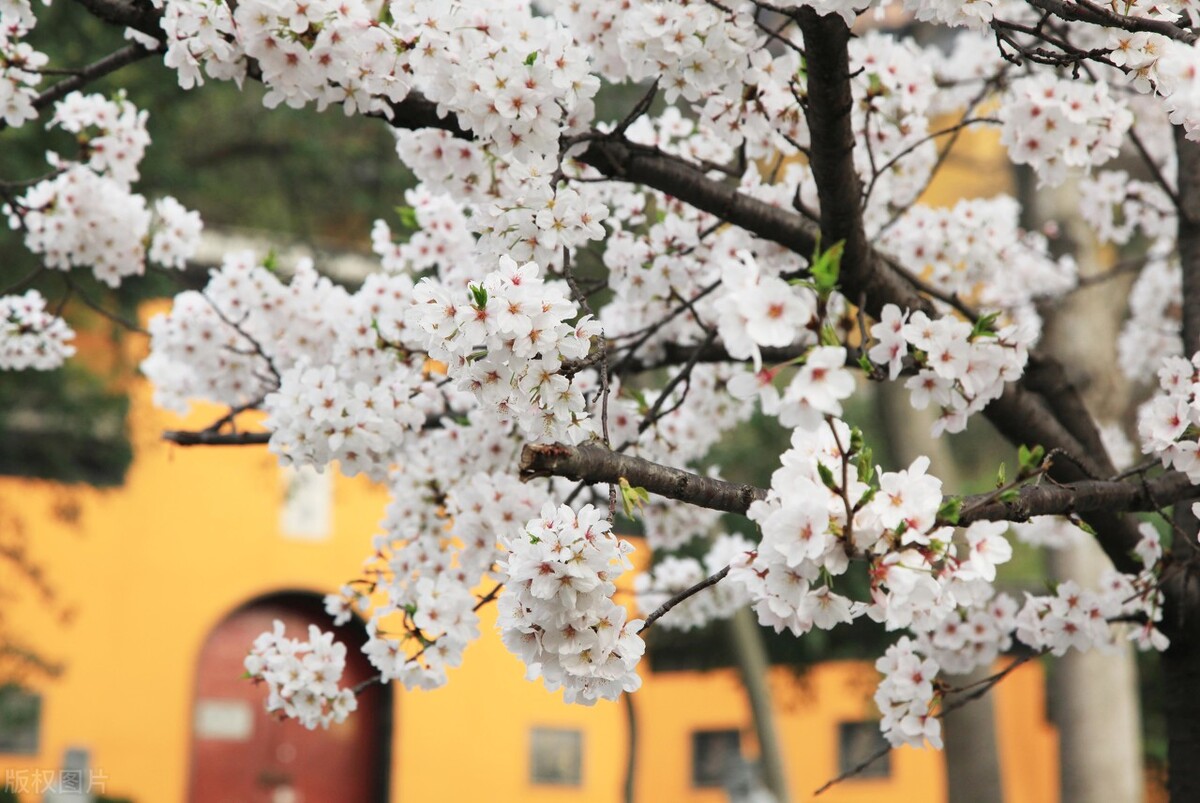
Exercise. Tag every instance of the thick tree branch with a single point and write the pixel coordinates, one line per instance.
(592, 463)
(213, 438)
(829, 107)
(1189, 238)
(1083, 11)
(137, 14)
(1081, 498)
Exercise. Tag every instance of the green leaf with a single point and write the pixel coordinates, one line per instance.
(271, 261)
(531, 58)
(826, 266)
(479, 292)
(408, 217)
(1030, 459)
(1009, 496)
(1000, 476)
(950, 509)
(827, 476)
(985, 326)
(632, 498)
(866, 464)
(864, 362)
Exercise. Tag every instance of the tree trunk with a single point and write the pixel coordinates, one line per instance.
(753, 666)
(1181, 662)
(1094, 701)
(1093, 697)
(972, 758)
(1181, 696)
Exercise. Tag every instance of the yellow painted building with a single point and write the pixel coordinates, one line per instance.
(154, 567)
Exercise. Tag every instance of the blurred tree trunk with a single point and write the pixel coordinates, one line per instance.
(751, 654)
(1093, 697)
(972, 760)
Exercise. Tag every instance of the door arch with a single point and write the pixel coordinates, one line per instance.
(242, 754)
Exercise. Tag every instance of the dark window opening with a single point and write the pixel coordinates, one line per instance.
(556, 756)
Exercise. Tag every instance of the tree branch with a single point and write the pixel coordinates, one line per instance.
(592, 463)
(96, 70)
(137, 14)
(213, 438)
(1084, 11)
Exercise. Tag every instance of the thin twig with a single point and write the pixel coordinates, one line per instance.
(691, 591)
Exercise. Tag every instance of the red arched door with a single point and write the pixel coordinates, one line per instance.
(242, 754)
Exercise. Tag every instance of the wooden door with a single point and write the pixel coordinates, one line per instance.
(242, 754)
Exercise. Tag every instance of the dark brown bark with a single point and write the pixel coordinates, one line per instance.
(1181, 698)
(594, 463)
(137, 14)
(1181, 579)
(211, 438)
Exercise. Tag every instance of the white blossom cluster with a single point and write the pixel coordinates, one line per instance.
(19, 64)
(557, 612)
(31, 336)
(442, 239)
(1120, 207)
(470, 340)
(697, 48)
(229, 343)
(673, 574)
(960, 368)
(826, 506)
(757, 310)
(906, 696)
(437, 546)
(1074, 618)
(1151, 333)
(894, 90)
(86, 214)
(505, 340)
(1053, 532)
(1056, 126)
(302, 677)
(976, 250)
(1167, 423)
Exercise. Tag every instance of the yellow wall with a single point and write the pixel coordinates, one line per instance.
(152, 567)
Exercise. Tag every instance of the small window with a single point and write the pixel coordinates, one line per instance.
(20, 720)
(557, 756)
(857, 743)
(714, 756)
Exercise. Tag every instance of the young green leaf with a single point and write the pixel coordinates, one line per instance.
(408, 217)
(827, 476)
(479, 292)
(632, 498)
(985, 326)
(950, 510)
(826, 266)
